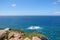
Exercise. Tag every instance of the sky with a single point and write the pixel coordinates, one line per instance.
(29, 7)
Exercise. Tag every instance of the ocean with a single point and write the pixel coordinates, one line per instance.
(50, 24)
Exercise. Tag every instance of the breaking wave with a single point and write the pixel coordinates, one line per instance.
(34, 27)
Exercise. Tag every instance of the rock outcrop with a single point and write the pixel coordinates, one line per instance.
(20, 35)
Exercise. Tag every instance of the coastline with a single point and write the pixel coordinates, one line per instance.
(16, 34)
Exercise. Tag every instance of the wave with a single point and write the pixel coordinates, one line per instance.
(34, 27)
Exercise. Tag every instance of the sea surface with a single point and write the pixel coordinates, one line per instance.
(50, 24)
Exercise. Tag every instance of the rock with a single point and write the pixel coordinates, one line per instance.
(3, 32)
(43, 38)
(5, 39)
(16, 35)
(11, 34)
(35, 38)
(27, 38)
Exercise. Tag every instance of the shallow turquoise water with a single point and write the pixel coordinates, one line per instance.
(50, 24)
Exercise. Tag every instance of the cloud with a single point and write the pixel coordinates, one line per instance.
(13, 5)
(56, 2)
(57, 12)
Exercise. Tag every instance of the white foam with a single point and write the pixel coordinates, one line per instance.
(34, 27)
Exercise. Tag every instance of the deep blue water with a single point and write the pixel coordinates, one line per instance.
(50, 24)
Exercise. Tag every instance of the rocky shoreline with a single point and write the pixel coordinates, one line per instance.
(14, 34)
